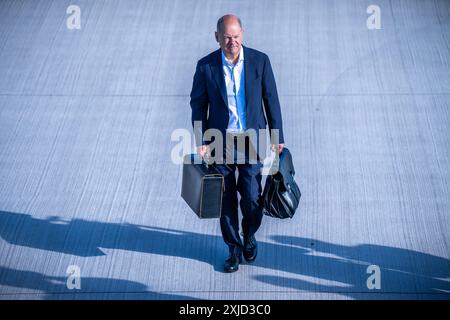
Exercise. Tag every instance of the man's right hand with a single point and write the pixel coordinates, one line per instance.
(203, 150)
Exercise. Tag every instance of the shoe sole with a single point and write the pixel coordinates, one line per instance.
(231, 271)
(250, 261)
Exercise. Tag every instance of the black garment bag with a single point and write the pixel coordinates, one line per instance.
(281, 195)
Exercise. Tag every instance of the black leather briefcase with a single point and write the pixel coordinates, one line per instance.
(202, 187)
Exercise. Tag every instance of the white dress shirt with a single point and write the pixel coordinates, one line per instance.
(235, 84)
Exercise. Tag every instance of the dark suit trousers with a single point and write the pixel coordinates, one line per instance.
(249, 187)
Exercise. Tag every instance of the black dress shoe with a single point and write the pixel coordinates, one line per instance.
(250, 248)
(232, 263)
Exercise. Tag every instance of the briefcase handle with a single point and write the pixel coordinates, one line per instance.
(208, 161)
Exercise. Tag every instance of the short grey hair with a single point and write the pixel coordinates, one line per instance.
(221, 20)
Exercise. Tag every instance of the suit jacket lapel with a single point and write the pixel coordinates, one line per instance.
(217, 72)
(251, 74)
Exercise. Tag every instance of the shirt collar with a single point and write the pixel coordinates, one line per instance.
(228, 62)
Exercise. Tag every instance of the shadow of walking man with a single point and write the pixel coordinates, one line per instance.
(328, 267)
(91, 287)
(87, 238)
(317, 265)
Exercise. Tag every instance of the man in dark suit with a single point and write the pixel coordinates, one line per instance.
(234, 92)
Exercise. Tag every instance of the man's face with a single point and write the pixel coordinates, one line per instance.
(230, 38)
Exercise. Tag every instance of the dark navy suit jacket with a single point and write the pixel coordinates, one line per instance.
(209, 100)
